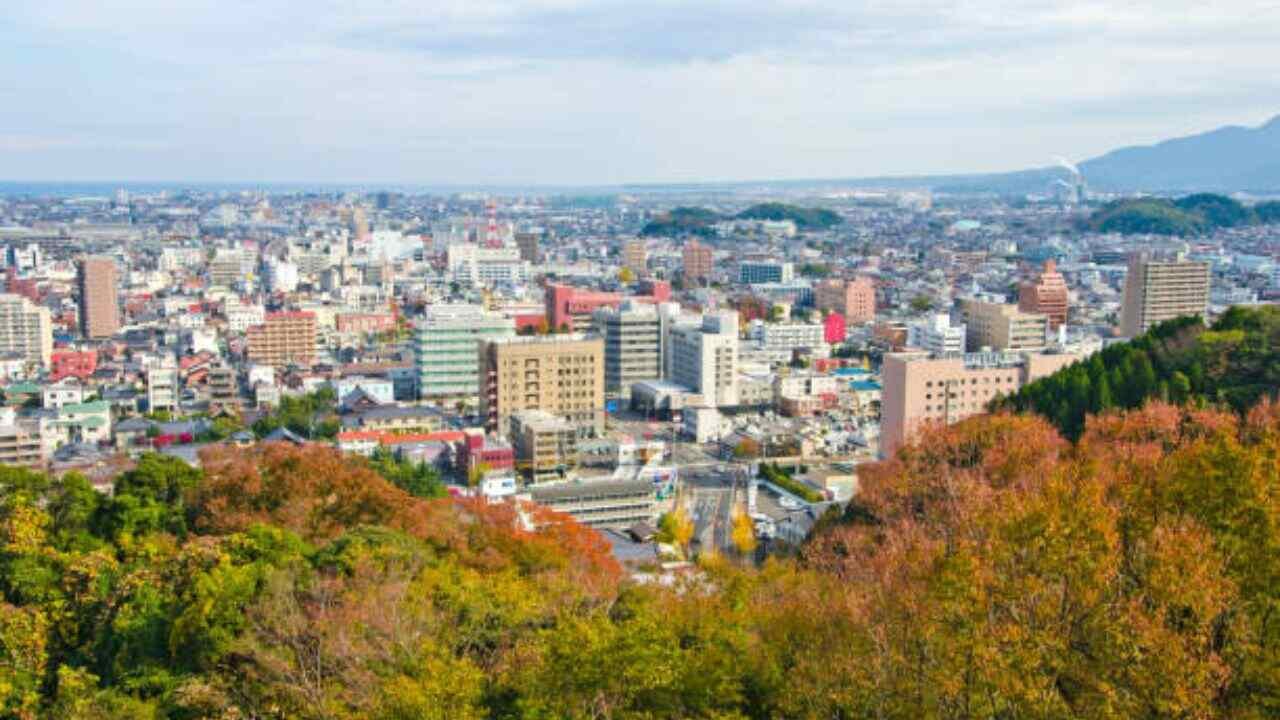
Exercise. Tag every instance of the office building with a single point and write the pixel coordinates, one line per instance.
(632, 346)
(1155, 291)
(754, 273)
(920, 388)
(445, 349)
(996, 326)
(788, 336)
(635, 257)
(698, 262)
(561, 374)
(26, 330)
(937, 335)
(528, 245)
(228, 268)
(283, 338)
(571, 308)
(99, 305)
(1047, 295)
(486, 266)
(854, 299)
(546, 445)
(603, 504)
(704, 358)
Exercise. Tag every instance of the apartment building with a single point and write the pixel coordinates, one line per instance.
(283, 338)
(605, 504)
(1047, 295)
(26, 330)
(937, 335)
(997, 326)
(96, 281)
(1155, 291)
(754, 273)
(632, 346)
(546, 445)
(561, 374)
(486, 266)
(698, 262)
(446, 345)
(635, 257)
(704, 358)
(163, 389)
(920, 388)
(527, 243)
(855, 299)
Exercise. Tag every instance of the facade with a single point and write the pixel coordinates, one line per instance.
(698, 262)
(99, 305)
(704, 358)
(920, 388)
(364, 322)
(163, 389)
(608, 503)
(635, 257)
(854, 299)
(378, 390)
(999, 327)
(485, 266)
(790, 336)
(26, 330)
(224, 388)
(445, 349)
(572, 308)
(283, 338)
(527, 244)
(1155, 291)
(227, 268)
(834, 328)
(546, 445)
(561, 374)
(1047, 295)
(242, 317)
(755, 273)
(937, 335)
(632, 346)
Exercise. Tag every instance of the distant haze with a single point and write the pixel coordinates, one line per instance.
(562, 92)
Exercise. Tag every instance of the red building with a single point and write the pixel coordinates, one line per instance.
(477, 448)
(833, 328)
(70, 363)
(571, 307)
(365, 322)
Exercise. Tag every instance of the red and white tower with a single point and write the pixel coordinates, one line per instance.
(491, 238)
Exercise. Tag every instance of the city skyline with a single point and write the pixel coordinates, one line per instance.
(588, 94)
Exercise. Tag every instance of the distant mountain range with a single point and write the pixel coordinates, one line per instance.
(1228, 159)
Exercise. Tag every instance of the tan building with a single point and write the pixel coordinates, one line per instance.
(1155, 291)
(283, 338)
(99, 305)
(26, 330)
(22, 443)
(1047, 295)
(561, 374)
(546, 445)
(527, 242)
(996, 326)
(854, 299)
(698, 261)
(635, 257)
(920, 389)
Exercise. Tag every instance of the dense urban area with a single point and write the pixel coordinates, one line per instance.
(672, 452)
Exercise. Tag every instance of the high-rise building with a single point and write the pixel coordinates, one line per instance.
(854, 299)
(635, 257)
(561, 374)
(26, 330)
(1046, 294)
(528, 245)
(698, 262)
(632, 346)
(704, 358)
(755, 273)
(920, 388)
(1155, 291)
(486, 266)
(937, 335)
(571, 307)
(227, 268)
(99, 305)
(283, 338)
(997, 326)
(446, 346)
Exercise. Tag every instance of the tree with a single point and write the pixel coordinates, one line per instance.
(747, 448)
(743, 534)
(676, 528)
(626, 276)
(921, 304)
(477, 473)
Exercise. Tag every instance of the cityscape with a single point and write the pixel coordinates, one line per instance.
(991, 440)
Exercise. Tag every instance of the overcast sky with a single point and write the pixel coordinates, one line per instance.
(575, 92)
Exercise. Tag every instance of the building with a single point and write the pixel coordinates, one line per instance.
(919, 388)
(22, 441)
(698, 262)
(834, 329)
(854, 299)
(1047, 295)
(1155, 291)
(937, 335)
(99, 305)
(788, 336)
(632, 346)
(227, 268)
(163, 389)
(635, 257)
(704, 358)
(445, 349)
(486, 266)
(527, 243)
(996, 326)
(546, 445)
(572, 308)
(754, 273)
(561, 374)
(26, 330)
(283, 338)
(224, 388)
(377, 390)
(607, 503)
(68, 391)
(242, 317)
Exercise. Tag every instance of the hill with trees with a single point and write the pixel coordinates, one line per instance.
(683, 221)
(804, 218)
(1190, 215)
(1234, 363)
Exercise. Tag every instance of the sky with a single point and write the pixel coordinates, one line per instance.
(570, 92)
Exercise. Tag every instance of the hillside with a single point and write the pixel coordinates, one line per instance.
(683, 221)
(1190, 215)
(804, 218)
(1234, 363)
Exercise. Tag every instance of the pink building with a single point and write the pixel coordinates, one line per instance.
(571, 307)
(834, 329)
(854, 299)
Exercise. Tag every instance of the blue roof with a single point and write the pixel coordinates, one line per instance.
(847, 371)
(864, 385)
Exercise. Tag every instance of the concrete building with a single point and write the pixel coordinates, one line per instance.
(607, 503)
(163, 389)
(996, 326)
(1155, 291)
(527, 243)
(99, 304)
(635, 257)
(788, 336)
(26, 330)
(573, 308)
(936, 335)
(22, 442)
(1047, 295)
(854, 299)
(283, 338)
(223, 386)
(446, 345)
(632, 346)
(561, 374)
(486, 266)
(242, 317)
(704, 358)
(227, 268)
(698, 262)
(546, 445)
(920, 388)
(754, 273)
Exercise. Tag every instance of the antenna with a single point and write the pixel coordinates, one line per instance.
(491, 236)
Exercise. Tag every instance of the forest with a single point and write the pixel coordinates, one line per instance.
(992, 569)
